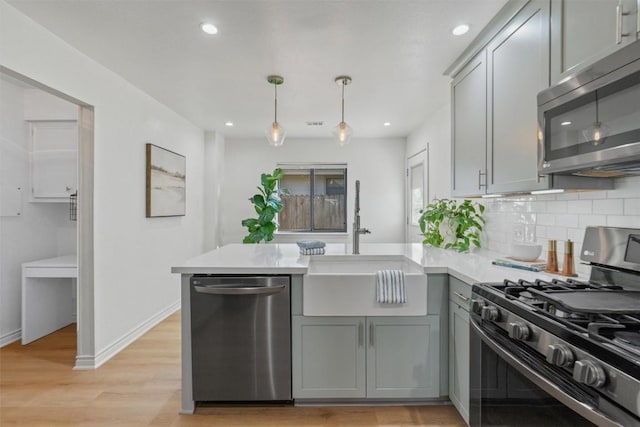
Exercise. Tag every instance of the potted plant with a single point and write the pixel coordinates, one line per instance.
(266, 204)
(452, 225)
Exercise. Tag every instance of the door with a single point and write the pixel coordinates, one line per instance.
(583, 31)
(459, 358)
(518, 68)
(328, 357)
(403, 357)
(469, 129)
(417, 193)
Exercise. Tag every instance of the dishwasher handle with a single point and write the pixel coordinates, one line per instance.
(243, 290)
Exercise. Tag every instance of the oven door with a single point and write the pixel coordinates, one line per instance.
(511, 385)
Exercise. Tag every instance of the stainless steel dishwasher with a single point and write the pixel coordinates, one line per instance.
(241, 338)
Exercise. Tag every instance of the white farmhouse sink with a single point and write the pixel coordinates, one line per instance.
(345, 285)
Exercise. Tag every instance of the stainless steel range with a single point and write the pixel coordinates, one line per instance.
(561, 352)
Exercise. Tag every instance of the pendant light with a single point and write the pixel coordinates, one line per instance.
(598, 131)
(275, 133)
(343, 131)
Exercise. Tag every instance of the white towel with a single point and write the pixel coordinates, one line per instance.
(390, 287)
(312, 251)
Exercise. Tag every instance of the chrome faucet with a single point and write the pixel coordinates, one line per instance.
(357, 231)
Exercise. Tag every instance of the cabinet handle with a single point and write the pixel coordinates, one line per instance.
(480, 184)
(360, 334)
(637, 16)
(619, 14)
(370, 334)
(462, 297)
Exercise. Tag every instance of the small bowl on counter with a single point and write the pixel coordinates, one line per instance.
(525, 251)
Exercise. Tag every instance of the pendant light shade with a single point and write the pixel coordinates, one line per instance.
(275, 133)
(343, 132)
(598, 131)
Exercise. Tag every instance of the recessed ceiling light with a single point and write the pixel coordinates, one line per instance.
(460, 30)
(565, 123)
(386, 124)
(230, 124)
(209, 28)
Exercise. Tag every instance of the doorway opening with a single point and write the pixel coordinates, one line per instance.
(46, 215)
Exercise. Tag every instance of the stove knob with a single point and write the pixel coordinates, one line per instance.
(476, 305)
(518, 331)
(559, 355)
(587, 372)
(490, 312)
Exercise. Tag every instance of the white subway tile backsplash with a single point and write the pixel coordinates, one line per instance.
(562, 216)
(587, 220)
(632, 207)
(622, 221)
(546, 219)
(582, 207)
(557, 233)
(559, 206)
(566, 220)
(593, 195)
(575, 234)
(608, 206)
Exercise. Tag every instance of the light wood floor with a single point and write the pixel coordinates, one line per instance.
(141, 387)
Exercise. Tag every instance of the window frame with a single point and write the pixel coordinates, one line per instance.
(311, 168)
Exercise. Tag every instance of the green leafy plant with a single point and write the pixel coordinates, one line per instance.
(267, 204)
(458, 226)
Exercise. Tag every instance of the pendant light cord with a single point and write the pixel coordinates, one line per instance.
(275, 102)
(342, 101)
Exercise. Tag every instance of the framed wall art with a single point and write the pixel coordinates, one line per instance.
(166, 182)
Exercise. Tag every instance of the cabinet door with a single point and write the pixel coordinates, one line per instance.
(403, 357)
(468, 128)
(459, 358)
(518, 67)
(328, 357)
(54, 158)
(583, 31)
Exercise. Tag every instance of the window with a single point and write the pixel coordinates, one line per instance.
(314, 198)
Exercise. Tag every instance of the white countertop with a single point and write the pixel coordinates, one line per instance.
(65, 261)
(285, 258)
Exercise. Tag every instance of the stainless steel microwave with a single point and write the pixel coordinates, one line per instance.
(590, 121)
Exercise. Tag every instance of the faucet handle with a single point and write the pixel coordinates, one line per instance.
(365, 231)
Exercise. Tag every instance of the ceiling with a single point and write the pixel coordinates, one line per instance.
(394, 50)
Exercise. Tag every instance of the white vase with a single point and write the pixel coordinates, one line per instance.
(447, 233)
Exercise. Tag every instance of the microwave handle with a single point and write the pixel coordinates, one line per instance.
(581, 408)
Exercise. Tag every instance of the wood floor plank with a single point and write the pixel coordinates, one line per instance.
(141, 387)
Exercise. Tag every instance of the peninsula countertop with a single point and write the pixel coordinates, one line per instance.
(285, 258)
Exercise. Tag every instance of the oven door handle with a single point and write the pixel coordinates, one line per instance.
(581, 408)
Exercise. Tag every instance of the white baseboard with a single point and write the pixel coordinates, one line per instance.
(94, 362)
(10, 337)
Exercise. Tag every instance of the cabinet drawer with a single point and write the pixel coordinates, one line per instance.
(459, 292)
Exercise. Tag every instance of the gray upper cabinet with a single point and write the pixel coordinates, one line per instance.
(403, 357)
(583, 31)
(468, 132)
(518, 68)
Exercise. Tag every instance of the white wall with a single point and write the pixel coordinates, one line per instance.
(213, 180)
(377, 163)
(133, 254)
(436, 131)
(43, 230)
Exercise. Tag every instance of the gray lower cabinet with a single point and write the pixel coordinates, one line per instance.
(459, 293)
(366, 357)
(403, 357)
(328, 357)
